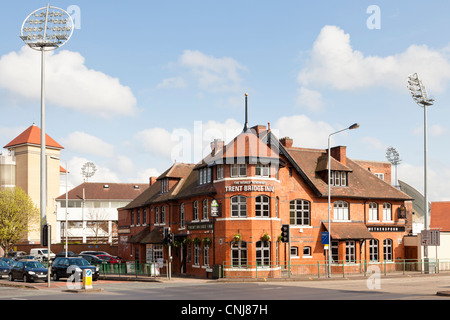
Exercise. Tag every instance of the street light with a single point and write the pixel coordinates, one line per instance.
(420, 96)
(45, 29)
(353, 126)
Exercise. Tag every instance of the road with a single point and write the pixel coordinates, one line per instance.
(422, 287)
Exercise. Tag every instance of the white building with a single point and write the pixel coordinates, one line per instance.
(92, 211)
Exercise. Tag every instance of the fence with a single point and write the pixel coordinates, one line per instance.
(319, 269)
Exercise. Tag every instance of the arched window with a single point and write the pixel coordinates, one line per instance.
(373, 211)
(387, 211)
(195, 211)
(205, 210)
(373, 250)
(300, 212)
(341, 210)
(238, 254)
(262, 206)
(387, 250)
(238, 206)
(157, 215)
(182, 217)
(263, 253)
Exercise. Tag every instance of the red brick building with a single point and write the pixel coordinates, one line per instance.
(228, 209)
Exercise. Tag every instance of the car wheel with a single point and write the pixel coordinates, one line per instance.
(25, 278)
(55, 277)
(10, 277)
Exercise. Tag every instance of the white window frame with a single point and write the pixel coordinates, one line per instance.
(238, 170)
(387, 211)
(239, 207)
(300, 212)
(341, 211)
(373, 211)
(262, 206)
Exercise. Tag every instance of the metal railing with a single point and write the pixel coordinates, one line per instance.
(340, 268)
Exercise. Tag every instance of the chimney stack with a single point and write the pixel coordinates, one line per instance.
(287, 142)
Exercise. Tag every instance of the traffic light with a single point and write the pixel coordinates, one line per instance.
(171, 238)
(285, 233)
(166, 233)
(45, 234)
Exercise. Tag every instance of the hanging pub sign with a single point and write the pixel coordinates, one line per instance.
(215, 208)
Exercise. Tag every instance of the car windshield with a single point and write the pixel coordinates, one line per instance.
(33, 264)
(79, 262)
(3, 264)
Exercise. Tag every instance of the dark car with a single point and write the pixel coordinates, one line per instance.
(93, 260)
(4, 269)
(28, 270)
(94, 253)
(9, 261)
(64, 267)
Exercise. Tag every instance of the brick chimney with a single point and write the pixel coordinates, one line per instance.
(340, 154)
(152, 180)
(287, 142)
(216, 145)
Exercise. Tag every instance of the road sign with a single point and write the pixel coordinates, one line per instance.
(87, 279)
(324, 237)
(430, 238)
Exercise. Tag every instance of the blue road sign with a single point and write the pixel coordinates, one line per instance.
(324, 237)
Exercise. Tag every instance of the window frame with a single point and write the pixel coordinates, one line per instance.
(299, 217)
(264, 206)
(241, 211)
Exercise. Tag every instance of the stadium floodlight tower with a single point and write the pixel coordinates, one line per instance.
(45, 29)
(420, 96)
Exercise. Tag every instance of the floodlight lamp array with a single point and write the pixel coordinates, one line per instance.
(418, 92)
(47, 28)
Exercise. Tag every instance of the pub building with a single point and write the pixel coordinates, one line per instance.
(228, 210)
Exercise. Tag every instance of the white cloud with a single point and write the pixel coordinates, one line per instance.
(177, 82)
(309, 98)
(374, 143)
(212, 74)
(335, 63)
(85, 143)
(156, 141)
(69, 83)
(304, 131)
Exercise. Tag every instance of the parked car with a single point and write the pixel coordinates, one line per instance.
(28, 257)
(28, 270)
(93, 260)
(61, 267)
(16, 254)
(41, 254)
(94, 253)
(63, 254)
(9, 261)
(108, 258)
(4, 269)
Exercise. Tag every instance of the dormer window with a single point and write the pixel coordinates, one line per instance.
(164, 185)
(338, 179)
(204, 175)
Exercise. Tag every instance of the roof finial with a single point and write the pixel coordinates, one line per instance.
(246, 114)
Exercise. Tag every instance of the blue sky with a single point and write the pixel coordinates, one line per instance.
(139, 80)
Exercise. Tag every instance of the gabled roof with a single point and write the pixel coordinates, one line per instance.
(32, 136)
(361, 182)
(105, 191)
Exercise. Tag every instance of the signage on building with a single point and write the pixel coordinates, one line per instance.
(385, 229)
(214, 208)
(200, 226)
(240, 186)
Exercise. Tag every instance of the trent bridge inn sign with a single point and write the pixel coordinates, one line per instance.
(259, 186)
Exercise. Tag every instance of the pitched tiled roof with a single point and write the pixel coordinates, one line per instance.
(361, 182)
(105, 191)
(32, 135)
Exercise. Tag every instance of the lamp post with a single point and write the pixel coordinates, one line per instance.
(45, 29)
(353, 126)
(420, 96)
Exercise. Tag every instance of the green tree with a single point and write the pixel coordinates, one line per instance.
(18, 216)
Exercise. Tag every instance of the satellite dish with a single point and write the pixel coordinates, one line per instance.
(88, 170)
